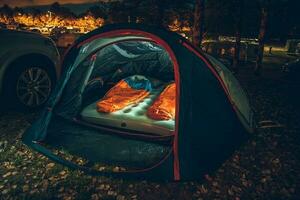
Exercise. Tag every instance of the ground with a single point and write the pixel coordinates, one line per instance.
(265, 167)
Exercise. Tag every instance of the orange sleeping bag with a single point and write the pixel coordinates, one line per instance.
(128, 91)
(164, 106)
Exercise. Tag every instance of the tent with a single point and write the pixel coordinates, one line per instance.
(212, 119)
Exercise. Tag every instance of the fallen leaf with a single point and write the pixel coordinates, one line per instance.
(25, 188)
(95, 197)
(45, 184)
(6, 175)
(62, 173)
(50, 165)
(116, 169)
(5, 191)
(120, 197)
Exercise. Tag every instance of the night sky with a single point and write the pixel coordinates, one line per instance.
(22, 3)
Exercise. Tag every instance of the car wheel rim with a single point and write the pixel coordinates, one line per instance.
(33, 87)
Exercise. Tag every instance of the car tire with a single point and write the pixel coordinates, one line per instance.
(29, 83)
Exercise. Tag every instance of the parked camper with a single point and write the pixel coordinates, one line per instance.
(293, 46)
(225, 49)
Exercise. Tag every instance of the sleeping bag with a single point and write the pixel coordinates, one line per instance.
(163, 107)
(128, 91)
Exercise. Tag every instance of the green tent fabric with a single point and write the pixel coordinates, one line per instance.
(213, 115)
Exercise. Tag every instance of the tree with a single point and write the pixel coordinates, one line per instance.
(55, 8)
(98, 11)
(238, 33)
(6, 10)
(154, 11)
(161, 7)
(117, 12)
(6, 13)
(267, 7)
(61, 11)
(264, 7)
(198, 26)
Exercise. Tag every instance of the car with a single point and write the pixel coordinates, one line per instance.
(56, 32)
(291, 70)
(45, 31)
(29, 68)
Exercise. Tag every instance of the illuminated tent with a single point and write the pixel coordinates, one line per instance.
(212, 118)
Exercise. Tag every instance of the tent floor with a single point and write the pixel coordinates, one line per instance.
(103, 147)
(132, 117)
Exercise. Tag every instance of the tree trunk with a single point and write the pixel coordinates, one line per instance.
(261, 39)
(160, 12)
(198, 26)
(238, 35)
